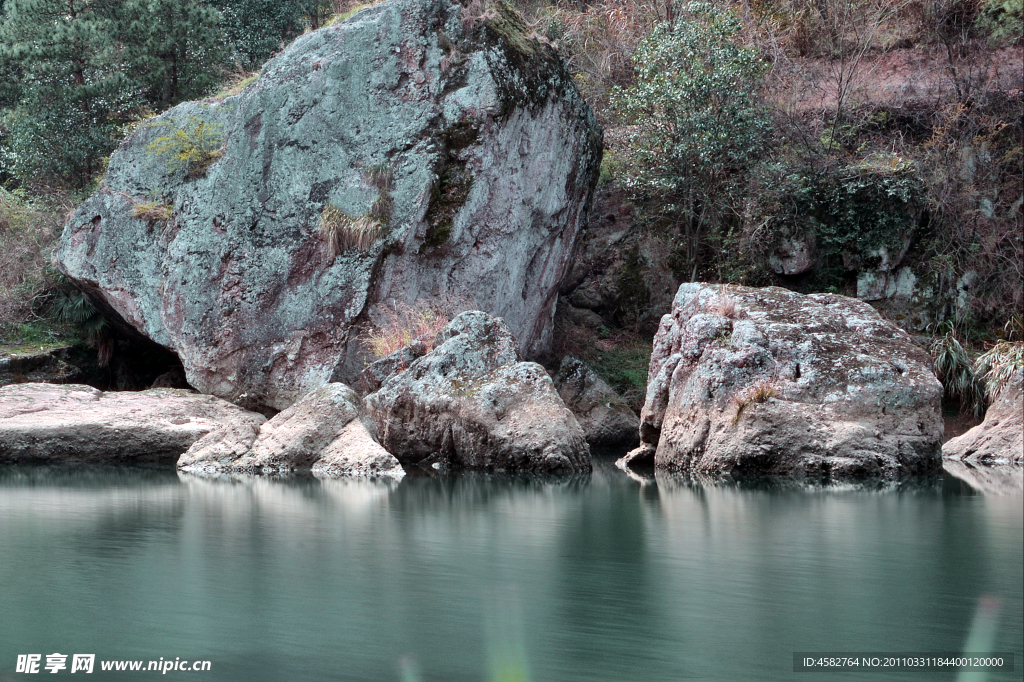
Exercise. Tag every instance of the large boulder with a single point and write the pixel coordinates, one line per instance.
(747, 381)
(1000, 437)
(603, 415)
(471, 403)
(327, 432)
(72, 423)
(421, 148)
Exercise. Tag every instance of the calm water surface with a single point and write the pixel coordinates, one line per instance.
(473, 577)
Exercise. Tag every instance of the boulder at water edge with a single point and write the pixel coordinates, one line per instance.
(327, 432)
(471, 403)
(55, 424)
(747, 381)
(421, 148)
(1000, 437)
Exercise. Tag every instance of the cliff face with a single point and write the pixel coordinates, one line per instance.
(420, 149)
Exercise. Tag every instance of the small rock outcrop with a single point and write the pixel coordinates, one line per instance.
(471, 403)
(327, 432)
(1000, 437)
(419, 149)
(748, 381)
(49, 365)
(53, 423)
(603, 415)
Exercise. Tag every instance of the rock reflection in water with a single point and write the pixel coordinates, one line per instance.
(470, 577)
(995, 479)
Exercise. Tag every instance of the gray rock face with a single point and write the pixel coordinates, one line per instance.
(471, 403)
(748, 381)
(1000, 437)
(794, 255)
(603, 415)
(451, 148)
(327, 432)
(73, 423)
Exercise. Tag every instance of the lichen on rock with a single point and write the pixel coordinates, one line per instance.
(471, 403)
(749, 382)
(492, 158)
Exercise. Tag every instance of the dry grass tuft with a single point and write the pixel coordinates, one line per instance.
(380, 176)
(724, 305)
(758, 392)
(342, 232)
(237, 82)
(401, 324)
(382, 208)
(153, 211)
(998, 365)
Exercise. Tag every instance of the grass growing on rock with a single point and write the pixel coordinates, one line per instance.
(399, 324)
(192, 145)
(238, 82)
(758, 392)
(153, 211)
(341, 232)
(956, 370)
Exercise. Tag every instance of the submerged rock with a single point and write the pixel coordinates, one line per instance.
(327, 432)
(748, 381)
(73, 423)
(603, 415)
(1000, 437)
(471, 403)
(421, 148)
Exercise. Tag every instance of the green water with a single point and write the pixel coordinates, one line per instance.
(483, 578)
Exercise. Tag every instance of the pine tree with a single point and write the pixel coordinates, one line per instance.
(71, 93)
(176, 48)
(79, 70)
(259, 28)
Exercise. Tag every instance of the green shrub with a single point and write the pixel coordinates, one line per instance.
(192, 145)
(624, 368)
(956, 370)
(695, 123)
(73, 308)
(1003, 20)
(854, 210)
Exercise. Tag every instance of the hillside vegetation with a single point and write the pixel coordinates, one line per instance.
(733, 129)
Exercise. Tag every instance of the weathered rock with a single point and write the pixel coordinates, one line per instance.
(471, 403)
(749, 381)
(381, 370)
(794, 255)
(618, 273)
(454, 142)
(1000, 437)
(327, 432)
(74, 423)
(603, 415)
